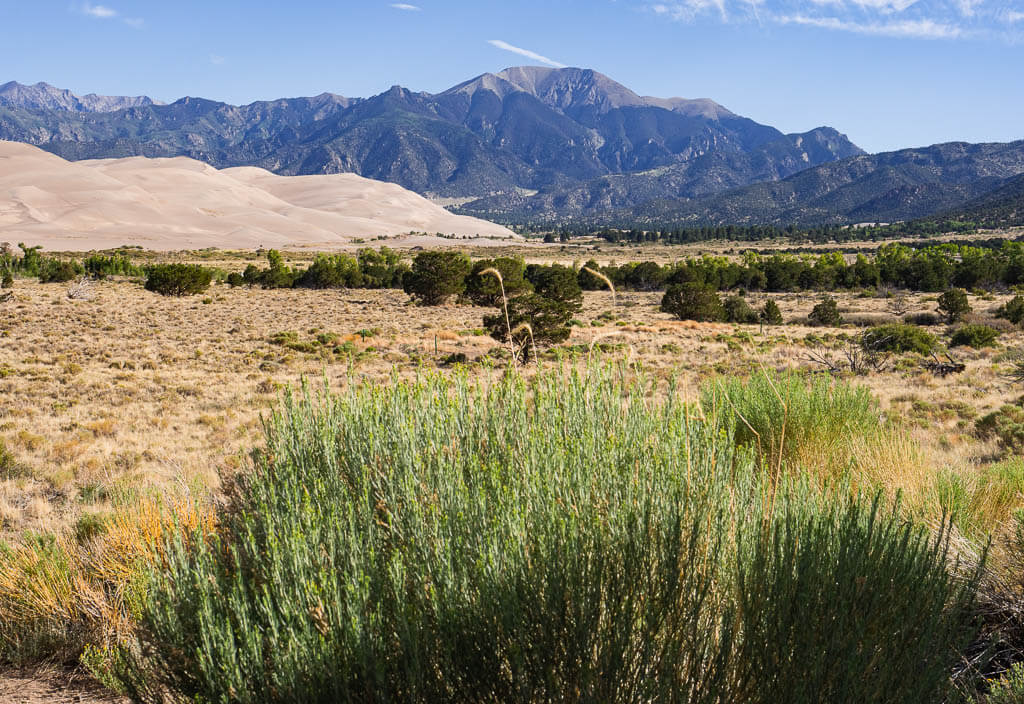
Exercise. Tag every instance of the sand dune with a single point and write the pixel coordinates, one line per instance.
(180, 203)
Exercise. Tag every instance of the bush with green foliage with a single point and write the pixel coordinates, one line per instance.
(548, 320)
(567, 538)
(381, 268)
(59, 271)
(953, 304)
(235, 279)
(7, 279)
(178, 279)
(555, 282)
(737, 310)
(976, 336)
(330, 271)
(1009, 689)
(436, 276)
(899, 338)
(485, 290)
(770, 314)
(587, 280)
(1005, 426)
(1012, 310)
(277, 274)
(100, 266)
(826, 314)
(693, 301)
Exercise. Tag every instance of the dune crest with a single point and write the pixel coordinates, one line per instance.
(181, 203)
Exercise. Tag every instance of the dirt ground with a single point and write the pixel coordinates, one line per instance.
(52, 688)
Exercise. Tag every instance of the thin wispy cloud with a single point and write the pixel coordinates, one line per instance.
(916, 29)
(405, 6)
(505, 46)
(899, 19)
(135, 22)
(99, 11)
(217, 60)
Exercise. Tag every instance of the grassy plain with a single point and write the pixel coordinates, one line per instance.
(124, 408)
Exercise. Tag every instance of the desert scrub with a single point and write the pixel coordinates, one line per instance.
(810, 424)
(1006, 426)
(976, 336)
(899, 337)
(565, 537)
(178, 279)
(59, 594)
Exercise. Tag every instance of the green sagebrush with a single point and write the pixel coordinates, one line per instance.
(565, 538)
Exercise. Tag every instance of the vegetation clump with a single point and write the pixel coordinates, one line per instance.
(487, 290)
(826, 314)
(178, 279)
(58, 271)
(900, 338)
(693, 301)
(770, 314)
(737, 310)
(436, 276)
(975, 335)
(1013, 310)
(953, 304)
(566, 538)
(1005, 426)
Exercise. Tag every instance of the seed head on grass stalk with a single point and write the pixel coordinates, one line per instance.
(504, 302)
(599, 275)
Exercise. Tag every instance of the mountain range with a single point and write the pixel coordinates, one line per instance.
(531, 143)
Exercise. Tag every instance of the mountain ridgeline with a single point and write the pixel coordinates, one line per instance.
(499, 135)
(535, 145)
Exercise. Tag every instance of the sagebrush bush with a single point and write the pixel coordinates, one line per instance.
(178, 279)
(564, 538)
(1006, 426)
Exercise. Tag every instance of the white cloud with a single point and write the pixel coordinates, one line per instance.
(405, 6)
(689, 10)
(136, 22)
(888, 6)
(217, 60)
(966, 7)
(525, 52)
(101, 11)
(1013, 16)
(916, 29)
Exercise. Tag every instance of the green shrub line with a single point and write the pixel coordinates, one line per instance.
(564, 537)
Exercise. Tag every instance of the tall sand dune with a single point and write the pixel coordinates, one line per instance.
(180, 203)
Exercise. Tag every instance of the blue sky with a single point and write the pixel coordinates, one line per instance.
(889, 73)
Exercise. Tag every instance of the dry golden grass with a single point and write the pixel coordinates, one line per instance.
(59, 595)
(132, 391)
